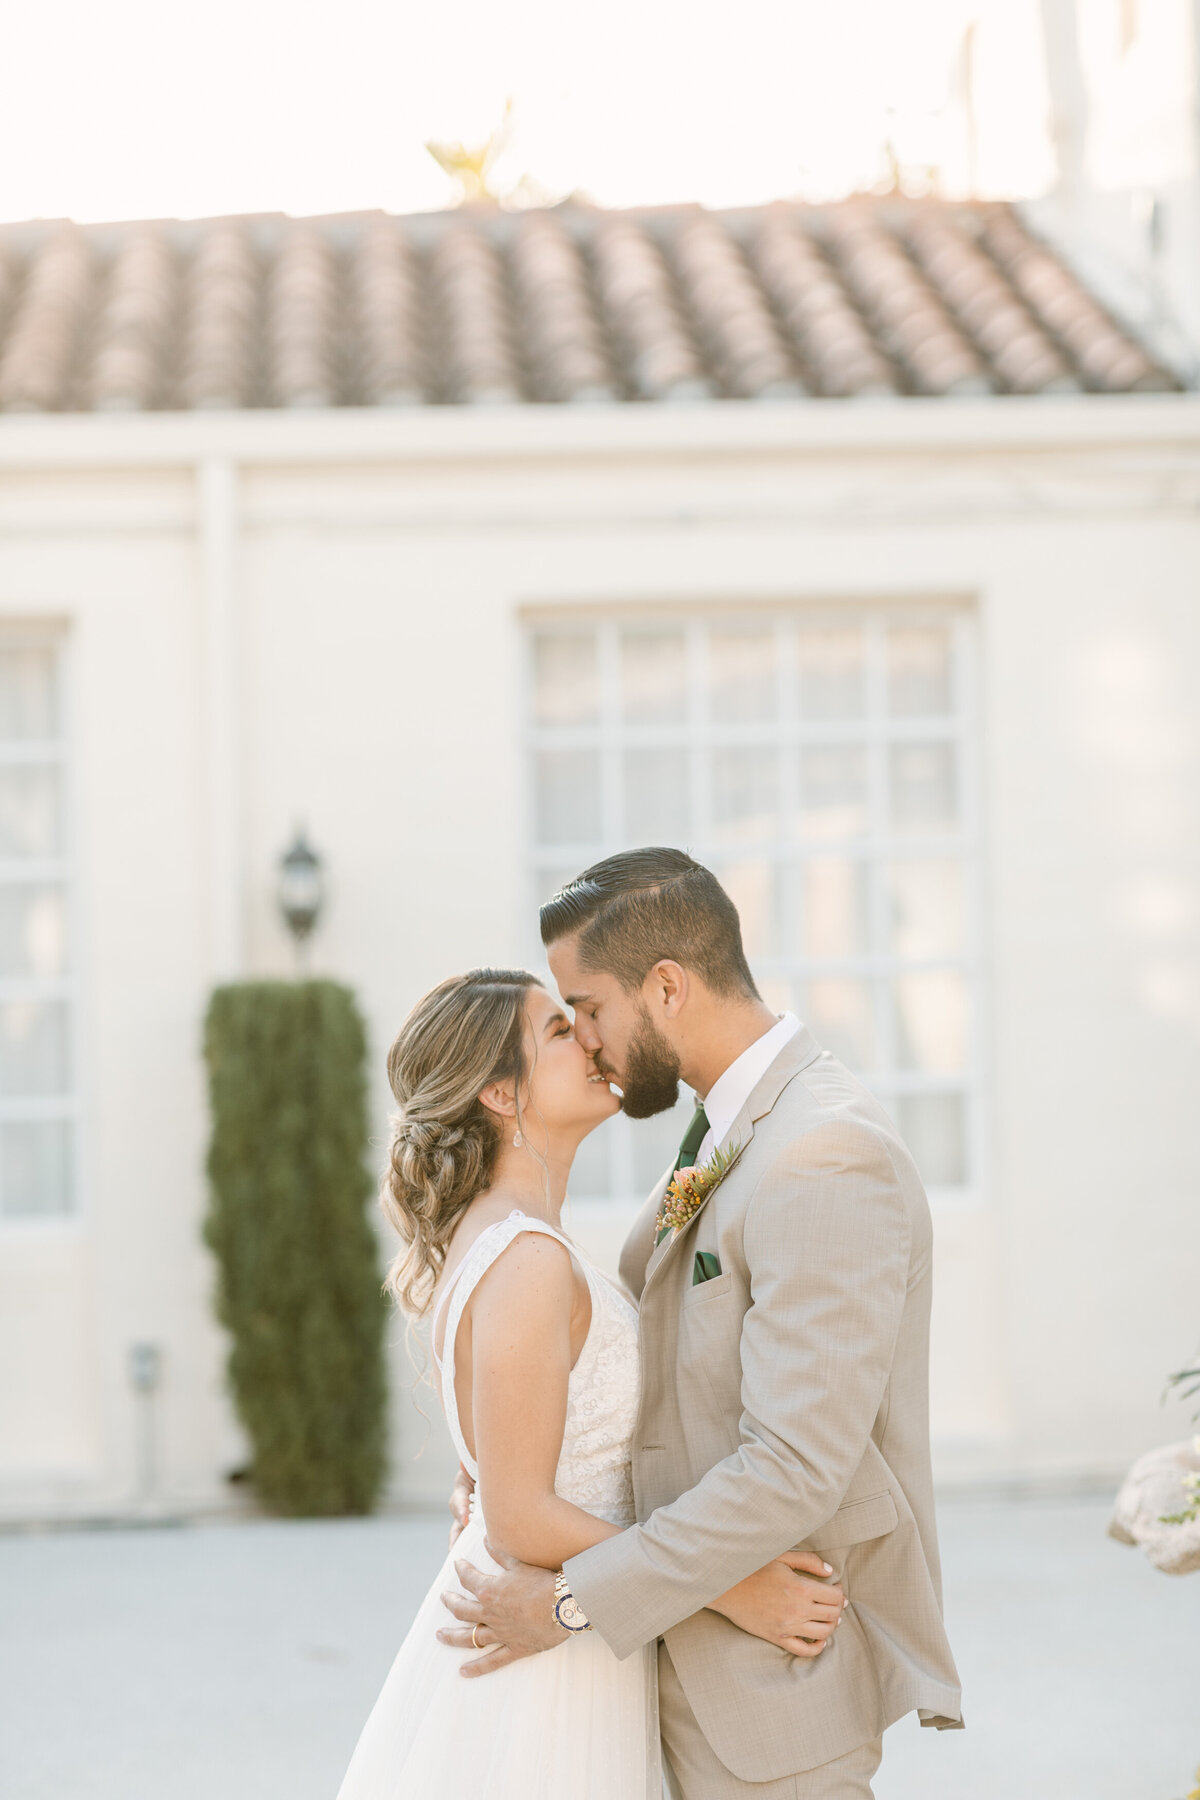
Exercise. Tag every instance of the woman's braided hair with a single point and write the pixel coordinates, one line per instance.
(467, 1032)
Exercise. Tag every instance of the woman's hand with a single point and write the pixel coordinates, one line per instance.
(791, 1603)
(460, 1504)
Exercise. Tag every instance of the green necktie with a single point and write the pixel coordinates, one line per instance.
(693, 1137)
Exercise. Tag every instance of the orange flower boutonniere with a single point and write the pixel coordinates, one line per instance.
(689, 1189)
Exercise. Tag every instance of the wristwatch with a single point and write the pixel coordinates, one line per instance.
(567, 1610)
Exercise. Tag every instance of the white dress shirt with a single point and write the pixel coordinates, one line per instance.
(730, 1091)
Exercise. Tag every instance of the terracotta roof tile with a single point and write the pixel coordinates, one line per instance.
(384, 322)
(1107, 358)
(908, 316)
(734, 322)
(1019, 351)
(469, 291)
(219, 319)
(48, 322)
(300, 327)
(563, 305)
(825, 327)
(638, 298)
(560, 331)
(133, 330)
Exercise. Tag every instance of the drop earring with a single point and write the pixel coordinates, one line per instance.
(518, 1140)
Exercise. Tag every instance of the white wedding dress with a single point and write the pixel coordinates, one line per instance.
(573, 1722)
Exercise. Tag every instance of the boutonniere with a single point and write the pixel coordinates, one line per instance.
(689, 1189)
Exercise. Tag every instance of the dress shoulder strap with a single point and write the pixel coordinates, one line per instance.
(487, 1248)
(527, 1224)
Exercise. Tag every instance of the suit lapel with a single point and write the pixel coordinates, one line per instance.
(797, 1054)
(740, 1134)
(637, 1251)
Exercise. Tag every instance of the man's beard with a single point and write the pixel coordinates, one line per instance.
(651, 1083)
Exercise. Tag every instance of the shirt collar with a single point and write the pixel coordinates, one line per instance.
(731, 1090)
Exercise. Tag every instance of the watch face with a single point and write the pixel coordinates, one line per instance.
(568, 1614)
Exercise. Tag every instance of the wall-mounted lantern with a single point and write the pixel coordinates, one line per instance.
(301, 889)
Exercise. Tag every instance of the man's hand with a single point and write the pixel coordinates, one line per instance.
(511, 1615)
(460, 1504)
(787, 1603)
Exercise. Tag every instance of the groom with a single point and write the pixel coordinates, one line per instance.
(784, 1320)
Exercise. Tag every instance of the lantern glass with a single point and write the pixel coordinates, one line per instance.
(301, 887)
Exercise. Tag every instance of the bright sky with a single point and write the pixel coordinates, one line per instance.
(115, 109)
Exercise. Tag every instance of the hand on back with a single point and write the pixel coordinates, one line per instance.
(791, 1602)
(460, 1504)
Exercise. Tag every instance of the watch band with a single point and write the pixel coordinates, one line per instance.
(567, 1610)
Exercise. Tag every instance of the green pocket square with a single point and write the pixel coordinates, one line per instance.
(705, 1267)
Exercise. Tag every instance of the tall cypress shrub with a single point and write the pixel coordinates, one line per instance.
(298, 1266)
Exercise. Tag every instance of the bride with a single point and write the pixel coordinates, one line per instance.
(536, 1355)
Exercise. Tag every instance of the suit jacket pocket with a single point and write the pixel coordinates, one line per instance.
(708, 1290)
(855, 1523)
(708, 1375)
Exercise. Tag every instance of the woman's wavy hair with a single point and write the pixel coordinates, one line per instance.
(465, 1034)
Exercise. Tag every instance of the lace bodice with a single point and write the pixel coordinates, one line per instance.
(594, 1469)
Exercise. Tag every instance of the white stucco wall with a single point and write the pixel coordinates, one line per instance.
(367, 675)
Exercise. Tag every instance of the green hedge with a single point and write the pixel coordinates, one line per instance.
(299, 1276)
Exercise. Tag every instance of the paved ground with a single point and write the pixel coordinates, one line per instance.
(237, 1662)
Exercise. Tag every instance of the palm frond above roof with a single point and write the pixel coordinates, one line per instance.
(569, 304)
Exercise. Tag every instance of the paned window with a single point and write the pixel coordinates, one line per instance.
(820, 762)
(36, 1084)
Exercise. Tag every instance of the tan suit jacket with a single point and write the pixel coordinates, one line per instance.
(785, 1406)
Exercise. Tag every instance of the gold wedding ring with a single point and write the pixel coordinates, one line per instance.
(474, 1639)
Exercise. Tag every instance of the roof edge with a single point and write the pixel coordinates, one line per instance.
(532, 433)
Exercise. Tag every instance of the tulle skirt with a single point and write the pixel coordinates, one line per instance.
(571, 1722)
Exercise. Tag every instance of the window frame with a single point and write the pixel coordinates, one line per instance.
(61, 871)
(786, 733)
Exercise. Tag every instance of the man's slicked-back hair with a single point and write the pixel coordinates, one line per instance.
(641, 907)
